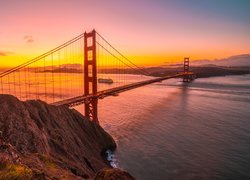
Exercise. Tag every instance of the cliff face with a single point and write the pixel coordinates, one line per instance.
(47, 141)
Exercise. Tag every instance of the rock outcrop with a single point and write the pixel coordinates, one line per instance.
(46, 142)
(113, 174)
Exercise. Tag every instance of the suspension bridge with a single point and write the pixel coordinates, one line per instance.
(81, 71)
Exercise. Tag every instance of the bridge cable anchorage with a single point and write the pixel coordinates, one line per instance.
(142, 70)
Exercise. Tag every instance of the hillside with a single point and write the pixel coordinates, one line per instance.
(200, 71)
(232, 61)
(40, 141)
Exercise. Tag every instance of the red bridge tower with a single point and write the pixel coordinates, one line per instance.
(186, 77)
(90, 75)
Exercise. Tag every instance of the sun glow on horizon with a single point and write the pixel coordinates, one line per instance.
(171, 31)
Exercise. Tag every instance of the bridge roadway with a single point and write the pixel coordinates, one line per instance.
(114, 91)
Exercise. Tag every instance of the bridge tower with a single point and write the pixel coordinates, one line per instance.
(90, 75)
(186, 78)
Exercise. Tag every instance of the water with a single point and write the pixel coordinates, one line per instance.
(54, 87)
(168, 130)
(173, 131)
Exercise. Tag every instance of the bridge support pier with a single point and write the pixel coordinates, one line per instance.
(90, 75)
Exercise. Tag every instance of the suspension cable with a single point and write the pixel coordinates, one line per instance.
(41, 56)
(116, 57)
(141, 69)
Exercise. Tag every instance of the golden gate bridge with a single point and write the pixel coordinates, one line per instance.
(68, 74)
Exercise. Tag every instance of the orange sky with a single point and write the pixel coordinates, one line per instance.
(149, 32)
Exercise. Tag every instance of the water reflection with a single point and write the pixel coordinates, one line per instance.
(175, 131)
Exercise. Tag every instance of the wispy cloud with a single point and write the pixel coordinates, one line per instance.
(29, 39)
(5, 53)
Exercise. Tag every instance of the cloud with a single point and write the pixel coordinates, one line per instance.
(5, 53)
(29, 39)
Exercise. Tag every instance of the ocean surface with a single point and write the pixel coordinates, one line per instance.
(168, 130)
(172, 130)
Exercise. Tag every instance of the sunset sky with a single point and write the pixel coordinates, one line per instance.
(150, 32)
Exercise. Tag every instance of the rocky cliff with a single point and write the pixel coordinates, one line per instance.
(41, 141)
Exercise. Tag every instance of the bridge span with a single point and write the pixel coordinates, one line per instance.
(75, 101)
(68, 74)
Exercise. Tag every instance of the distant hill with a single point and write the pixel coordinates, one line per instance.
(238, 60)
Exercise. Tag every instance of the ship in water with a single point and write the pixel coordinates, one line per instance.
(107, 81)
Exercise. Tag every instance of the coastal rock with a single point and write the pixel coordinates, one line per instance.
(113, 174)
(51, 142)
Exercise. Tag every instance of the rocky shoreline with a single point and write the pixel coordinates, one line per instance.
(41, 141)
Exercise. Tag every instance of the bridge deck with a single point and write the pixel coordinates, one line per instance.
(113, 91)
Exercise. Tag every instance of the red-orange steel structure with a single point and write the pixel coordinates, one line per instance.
(186, 77)
(78, 64)
(90, 75)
